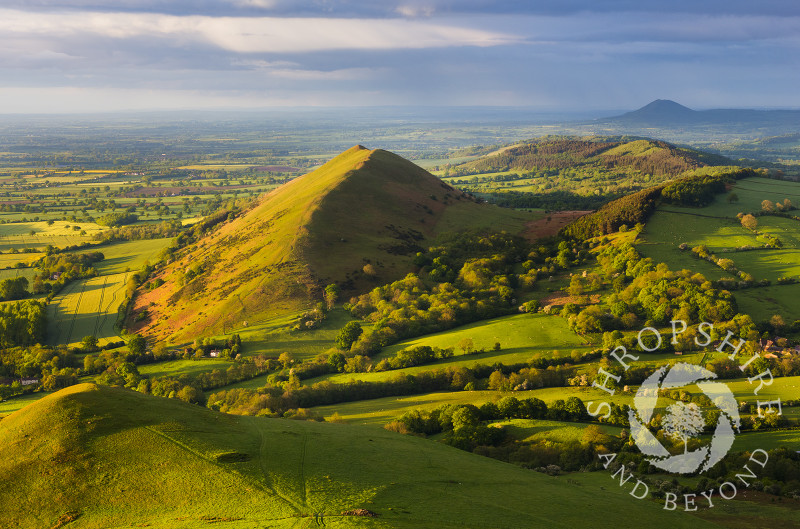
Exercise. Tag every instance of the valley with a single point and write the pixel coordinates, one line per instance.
(310, 337)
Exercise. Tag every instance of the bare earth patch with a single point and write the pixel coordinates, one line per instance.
(551, 224)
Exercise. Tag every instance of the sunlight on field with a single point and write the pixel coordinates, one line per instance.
(87, 307)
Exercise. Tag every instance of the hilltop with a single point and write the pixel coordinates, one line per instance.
(357, 221)
(576, 173)
(102, 455)
(666, 113)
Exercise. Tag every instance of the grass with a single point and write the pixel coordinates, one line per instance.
(18, 235)
(769, 264)
(274, 336)
(785, 388)
(381, 411)
(8, 260)
(520, 336)
(18, 272)
(129, 255)
(762, 303)
(183, 367)
(86, 307)
(17, 403)
(717, 227)
(116, 450)
(556, 431)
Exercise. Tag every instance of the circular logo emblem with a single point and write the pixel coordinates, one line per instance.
(683, 421)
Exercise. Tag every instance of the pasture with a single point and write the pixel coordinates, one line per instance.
(244, 472)
(183, 367)
(520, 336)
(381, 411)
(556, 431)
(86, 307)
(762, 303)
(39, 235)
(128, 255)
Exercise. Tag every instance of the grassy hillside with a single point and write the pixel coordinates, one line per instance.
(575, 173)
(100, 456)
(361, 208)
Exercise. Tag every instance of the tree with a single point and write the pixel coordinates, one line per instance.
(332, 292)
(369, 270)
(89, 343)
(777, 322)
(286, 359)
(767, 205)
(683, 421)
(508, 407)
(733, 197)
(137, 345)
(466, 417)
(348, 335)
(749, 222)
(466, 345)
(575, 286)
(337, 360)
(13, 289)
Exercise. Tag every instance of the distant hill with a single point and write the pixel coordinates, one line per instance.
(666, 113)
(357, 221)
(577, 173)
(107, 457)
(661, 111)
(554, 152)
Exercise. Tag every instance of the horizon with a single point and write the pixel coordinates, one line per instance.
(255, 112)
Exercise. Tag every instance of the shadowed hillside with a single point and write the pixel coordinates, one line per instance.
(105, 457)
(357, 221)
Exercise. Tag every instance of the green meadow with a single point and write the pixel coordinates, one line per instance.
(87, 307)
(129, 255)
(245, 472)
(520, 337)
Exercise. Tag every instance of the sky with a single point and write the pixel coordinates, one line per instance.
(550, 55)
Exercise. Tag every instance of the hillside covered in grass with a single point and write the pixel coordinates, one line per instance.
(356, 221)
(558, 172)
(100, 456)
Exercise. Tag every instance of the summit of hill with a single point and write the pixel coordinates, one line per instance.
(357, 221)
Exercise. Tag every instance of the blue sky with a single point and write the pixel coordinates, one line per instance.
(553, 55)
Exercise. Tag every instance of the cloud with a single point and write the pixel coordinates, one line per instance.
(251, 34)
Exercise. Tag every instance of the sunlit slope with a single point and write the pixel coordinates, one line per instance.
(115, 458)
(364, 207)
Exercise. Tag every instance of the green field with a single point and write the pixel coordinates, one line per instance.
(245, 472)
(520, 336)
(183, 367)
(383, 410)
(129, 255)
(717, 227)
(559, 432)
(60, 234)
(763, 303)
(87, 307)
(19, 402)
(769, 264)
(380, 411)
(17, 272)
